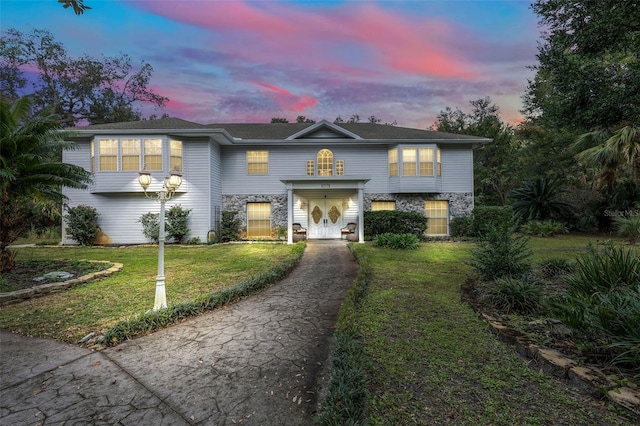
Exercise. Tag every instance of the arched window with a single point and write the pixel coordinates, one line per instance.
(325, 163)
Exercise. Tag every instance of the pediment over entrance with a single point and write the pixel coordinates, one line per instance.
(324, 130)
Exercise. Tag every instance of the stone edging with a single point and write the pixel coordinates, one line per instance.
(587, 379)
(44, 289)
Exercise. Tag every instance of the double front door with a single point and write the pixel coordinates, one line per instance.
(325, 218)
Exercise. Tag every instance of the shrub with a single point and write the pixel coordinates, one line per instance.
(194, 241)
(151, 226)
(602, 303)
(461, 227)
(514, 295)
(394, 222)
(485, 217)
(500, 254)
(539, 199)
(397, 241)
(229, 226)
(629, 228)
(82, 224)
(555, 267)
(545, 228)
(177, 223)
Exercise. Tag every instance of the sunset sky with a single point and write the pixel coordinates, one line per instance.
(248, 61)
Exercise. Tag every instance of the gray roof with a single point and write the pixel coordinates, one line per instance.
(169, 123)
(282, 131)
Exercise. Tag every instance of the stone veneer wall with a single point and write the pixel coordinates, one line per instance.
(460, 203)
(239, 204)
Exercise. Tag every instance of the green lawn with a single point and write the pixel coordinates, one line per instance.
(432, 361)
(191, 272)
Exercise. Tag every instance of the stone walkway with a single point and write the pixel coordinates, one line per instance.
(261, 361)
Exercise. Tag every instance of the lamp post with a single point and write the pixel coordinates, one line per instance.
(166, 193)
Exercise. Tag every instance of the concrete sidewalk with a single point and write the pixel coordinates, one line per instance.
(261, 361)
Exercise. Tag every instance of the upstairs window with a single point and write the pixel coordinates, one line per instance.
(438, 162)
(339, 167)
(426, 161)
(152, 154)
(311, 168)
(108, 151)
(92, 148)
(409, 162)
(130, 154)
(257, 162)
(325, 163)
(175, 155)
(393, 162)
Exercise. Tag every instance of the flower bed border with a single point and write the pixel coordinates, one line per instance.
(45, 289)
(587, 379)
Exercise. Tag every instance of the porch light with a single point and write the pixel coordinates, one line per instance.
(168, 190)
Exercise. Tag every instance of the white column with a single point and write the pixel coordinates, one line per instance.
(161, 296)
(360, 215)
(289, 216)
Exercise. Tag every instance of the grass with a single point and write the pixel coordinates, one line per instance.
(191, 272)
(432, 361)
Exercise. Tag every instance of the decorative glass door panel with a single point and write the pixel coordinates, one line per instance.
(325, 218)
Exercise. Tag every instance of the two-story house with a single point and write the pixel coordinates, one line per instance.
(319, 175)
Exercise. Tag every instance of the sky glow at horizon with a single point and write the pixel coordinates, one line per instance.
(244, 61)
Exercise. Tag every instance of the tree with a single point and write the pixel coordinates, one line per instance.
(30, 170)
(612, 153)
(279, 120)
(497, 165)
(303, 119)
(98, 91)
(78, 5)
(588, 76)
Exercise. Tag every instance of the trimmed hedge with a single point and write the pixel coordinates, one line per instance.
(345, 397)
(394, 222)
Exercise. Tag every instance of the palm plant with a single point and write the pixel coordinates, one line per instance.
(30, 170)
(611, 153)
(538, 200)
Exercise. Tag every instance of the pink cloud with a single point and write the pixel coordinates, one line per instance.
(272, 32)
(287, 100)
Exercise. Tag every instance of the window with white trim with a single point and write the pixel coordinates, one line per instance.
(130, 154)
(437, 213)
(311, 168)
(409, 162)
(339, 167)
(382, 205)
(425, 158)
(92, 149)
(325, 162)
(438, 162)
(393, 162)
(258, 220)
(175, 155)
(108, 152)
(152, 154)
(258, 162)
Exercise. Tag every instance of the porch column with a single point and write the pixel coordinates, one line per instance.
(360, 214)
(289, 216)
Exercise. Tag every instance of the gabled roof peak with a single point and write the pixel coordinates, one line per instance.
(324, 129)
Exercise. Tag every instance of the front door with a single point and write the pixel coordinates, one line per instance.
(325, 218)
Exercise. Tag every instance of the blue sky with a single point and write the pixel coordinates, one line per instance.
(247, 61)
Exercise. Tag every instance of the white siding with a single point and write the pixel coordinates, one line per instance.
(119, 211)
(457, 169)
